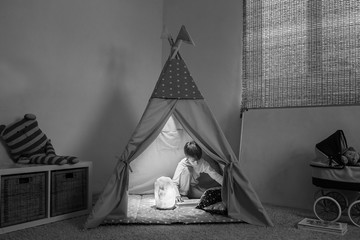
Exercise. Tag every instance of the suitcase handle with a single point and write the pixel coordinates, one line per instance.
(24, 180)
(69, 175)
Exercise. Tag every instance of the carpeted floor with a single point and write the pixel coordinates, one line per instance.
(285, 220)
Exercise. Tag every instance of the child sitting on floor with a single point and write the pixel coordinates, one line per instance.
(188, 171)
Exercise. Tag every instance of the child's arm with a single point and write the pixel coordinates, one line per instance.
(212, 173)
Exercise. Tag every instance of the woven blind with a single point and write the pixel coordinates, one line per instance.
(301, 53)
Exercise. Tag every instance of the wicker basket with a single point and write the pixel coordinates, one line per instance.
(69, 191)
(23, 198)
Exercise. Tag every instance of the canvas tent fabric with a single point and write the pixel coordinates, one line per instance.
(198, 121)
(161, 157)
(175, 82)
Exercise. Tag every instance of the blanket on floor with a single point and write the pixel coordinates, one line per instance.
(142, 210)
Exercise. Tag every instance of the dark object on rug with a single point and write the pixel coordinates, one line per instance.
(211, 201)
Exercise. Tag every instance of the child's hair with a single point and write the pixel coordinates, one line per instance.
(192, 149)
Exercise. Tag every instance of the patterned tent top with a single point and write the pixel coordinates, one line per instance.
(175, 82)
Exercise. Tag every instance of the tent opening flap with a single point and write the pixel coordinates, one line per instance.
(161, 159)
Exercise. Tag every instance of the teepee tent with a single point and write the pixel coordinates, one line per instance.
(176, 96)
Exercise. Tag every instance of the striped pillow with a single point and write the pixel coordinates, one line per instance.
(24, 137)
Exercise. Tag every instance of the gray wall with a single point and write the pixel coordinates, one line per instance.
(86, 68)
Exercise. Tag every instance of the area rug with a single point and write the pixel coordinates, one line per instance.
(142, 210)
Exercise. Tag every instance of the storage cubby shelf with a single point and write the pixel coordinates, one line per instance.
(32, 195)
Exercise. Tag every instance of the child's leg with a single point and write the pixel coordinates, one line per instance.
(196, 191)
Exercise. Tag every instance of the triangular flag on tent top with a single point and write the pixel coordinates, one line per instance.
(176, 95)
(184, 36)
